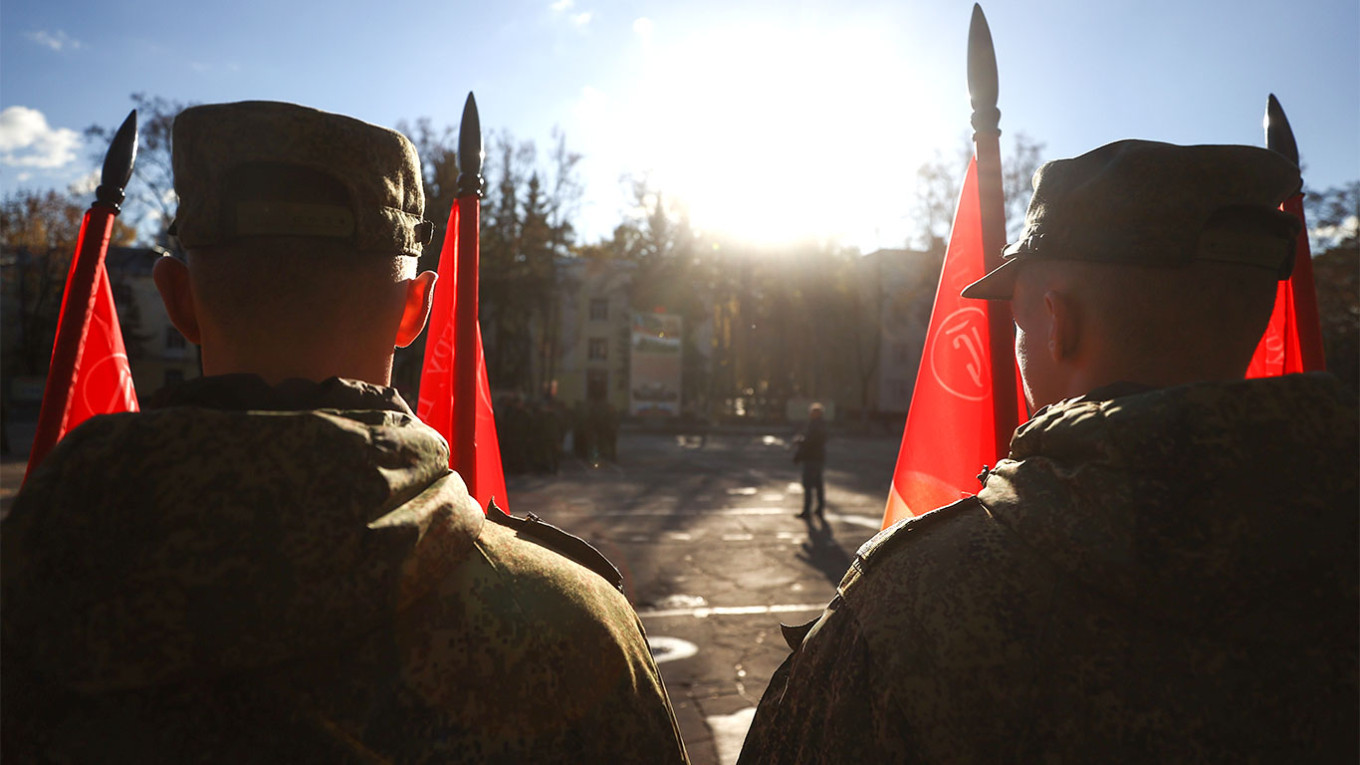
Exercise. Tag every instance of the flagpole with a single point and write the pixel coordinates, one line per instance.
(466, 370)
(982, 92)
(1280, 138)
(74, 323)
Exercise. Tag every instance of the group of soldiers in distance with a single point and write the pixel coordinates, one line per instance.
(534, 434)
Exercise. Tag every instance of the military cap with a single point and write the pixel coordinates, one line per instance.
(264, 168)
(1149, 203)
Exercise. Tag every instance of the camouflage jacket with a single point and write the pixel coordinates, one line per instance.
(293, 574)
(1168, 576)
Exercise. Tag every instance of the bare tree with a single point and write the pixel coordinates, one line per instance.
(39, 229)
(151, 194)
(1017, 174)
(1333, 215)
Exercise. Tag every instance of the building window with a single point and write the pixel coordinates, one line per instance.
(599, 309)
(173, 339)
(598, 349)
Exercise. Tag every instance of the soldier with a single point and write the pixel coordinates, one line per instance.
(275, 564)
(811, 453)
(1165, 568)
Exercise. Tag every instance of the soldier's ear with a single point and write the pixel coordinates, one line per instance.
(419, 298)
(177, 293)
(1064, 325)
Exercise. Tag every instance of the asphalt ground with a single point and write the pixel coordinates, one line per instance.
(712, 556)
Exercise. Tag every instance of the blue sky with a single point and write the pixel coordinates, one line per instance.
(770, 119)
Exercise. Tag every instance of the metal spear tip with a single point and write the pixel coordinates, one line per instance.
(982, 80)
(1279, 136)
(470, 153)
(118, 164)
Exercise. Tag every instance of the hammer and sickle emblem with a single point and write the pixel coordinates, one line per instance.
(956, 355)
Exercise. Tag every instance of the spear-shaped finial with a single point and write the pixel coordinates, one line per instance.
(82, 308)
(1279, 136)
(982, 86)
(982, 92)
(470, 153)
(118, 163)
(466, 335)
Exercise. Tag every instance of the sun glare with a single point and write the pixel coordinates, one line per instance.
(772, 134)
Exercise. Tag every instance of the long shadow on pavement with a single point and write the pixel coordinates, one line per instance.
(822, 551)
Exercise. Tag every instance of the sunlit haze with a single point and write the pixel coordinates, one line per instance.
(760, 130)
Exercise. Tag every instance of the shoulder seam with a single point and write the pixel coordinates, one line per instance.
(903, 532)
(555, 540)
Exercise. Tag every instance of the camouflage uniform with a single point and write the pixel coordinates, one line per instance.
(1165, 576)
(292, 574)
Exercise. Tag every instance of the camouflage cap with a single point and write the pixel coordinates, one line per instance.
(264, 168)
(1142, 202)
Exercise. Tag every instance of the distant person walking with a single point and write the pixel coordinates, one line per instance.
(811, 453)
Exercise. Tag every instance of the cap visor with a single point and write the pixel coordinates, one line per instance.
(997, 285)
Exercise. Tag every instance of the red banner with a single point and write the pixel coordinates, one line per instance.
(1293, 340)
(103, 383)
(89, 373)
(951, 427)
(437, 386)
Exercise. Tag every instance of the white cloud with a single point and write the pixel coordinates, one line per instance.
(85, 185)
(581, 19)
(214, 68)
(26, 140)
(1330, 236)
(21, 177)
(643, 28)
(562, 5)
(57, 41)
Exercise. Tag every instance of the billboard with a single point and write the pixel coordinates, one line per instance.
(654, 361)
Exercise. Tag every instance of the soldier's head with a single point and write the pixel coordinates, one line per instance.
(816, 411)
(302, 231)
(1148, 263)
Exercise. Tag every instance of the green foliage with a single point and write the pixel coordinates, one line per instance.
(526, 228)
(526, 225)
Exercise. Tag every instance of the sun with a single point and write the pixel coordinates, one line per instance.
(772, 133)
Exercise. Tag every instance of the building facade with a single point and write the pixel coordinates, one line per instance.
(898, 289)
(591, 358)
(31, 287)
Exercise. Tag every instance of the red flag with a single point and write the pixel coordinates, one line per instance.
(1293, 340)
(437, 386)
(103, 383)
(951, 427)
(89, 373)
